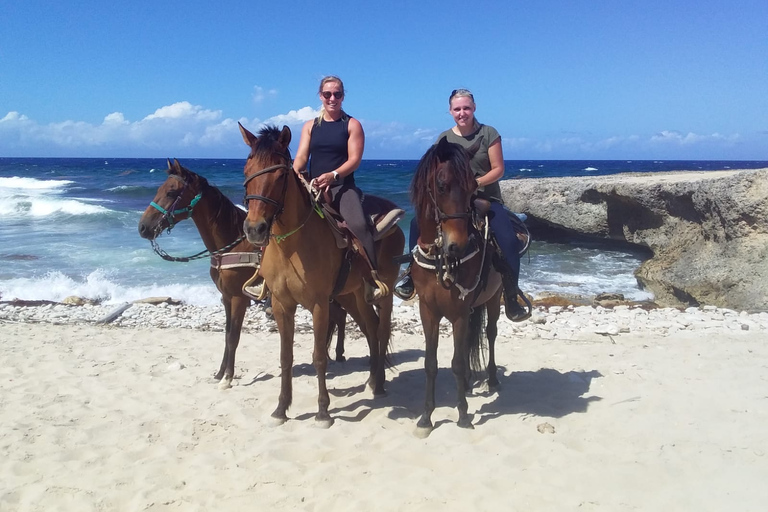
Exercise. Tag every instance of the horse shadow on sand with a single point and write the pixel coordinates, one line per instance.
(545, 392)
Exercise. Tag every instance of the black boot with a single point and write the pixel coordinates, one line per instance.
(404, 286)
(514, 311)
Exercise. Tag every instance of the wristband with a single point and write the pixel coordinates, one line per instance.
(335, 176)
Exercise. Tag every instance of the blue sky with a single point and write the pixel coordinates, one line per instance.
(602, 79)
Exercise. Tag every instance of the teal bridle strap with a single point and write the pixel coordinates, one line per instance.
(170, 214)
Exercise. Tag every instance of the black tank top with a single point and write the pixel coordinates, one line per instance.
(328, 148)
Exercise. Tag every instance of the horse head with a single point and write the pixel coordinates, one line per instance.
(173, 202)
(267, 172)
(442, 191)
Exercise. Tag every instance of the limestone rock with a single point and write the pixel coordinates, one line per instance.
(708, 230)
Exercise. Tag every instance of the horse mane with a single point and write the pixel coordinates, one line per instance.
(228, 214)
(421, 184)
(265, 142)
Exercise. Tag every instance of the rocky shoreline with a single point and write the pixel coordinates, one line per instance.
(566, 322)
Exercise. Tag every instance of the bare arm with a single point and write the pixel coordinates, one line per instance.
(496, 156)
(302, 154)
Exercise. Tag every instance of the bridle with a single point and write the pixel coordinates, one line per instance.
(446, 267)
(279, 206)
(171, 212)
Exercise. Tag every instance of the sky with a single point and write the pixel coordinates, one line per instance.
(586, 80)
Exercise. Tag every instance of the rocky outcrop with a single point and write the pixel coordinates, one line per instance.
(708, 231)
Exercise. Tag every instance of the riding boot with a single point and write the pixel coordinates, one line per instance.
(404, 287)
(512, 307)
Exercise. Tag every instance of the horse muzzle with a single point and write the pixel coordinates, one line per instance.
(257, 232)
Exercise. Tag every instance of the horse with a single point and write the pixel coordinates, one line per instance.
(304, 265)
(233, 259)
(453, 273)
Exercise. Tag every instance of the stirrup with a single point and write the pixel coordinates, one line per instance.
(377, 291)
(255, 287)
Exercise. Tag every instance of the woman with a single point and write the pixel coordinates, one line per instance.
(332, 144)
(488, 166)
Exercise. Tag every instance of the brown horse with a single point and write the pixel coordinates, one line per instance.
(452, 271)
(302, 262)
(233, 259)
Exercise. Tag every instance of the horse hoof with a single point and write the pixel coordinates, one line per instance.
(225, 383)
(466, 424)
(277, 421)
(324, 423)
(422, 432)
(341, 359)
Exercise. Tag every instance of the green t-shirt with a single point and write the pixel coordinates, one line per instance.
(480, 163)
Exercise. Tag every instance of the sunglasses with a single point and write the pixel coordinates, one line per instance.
(461, 92)
(336, 94)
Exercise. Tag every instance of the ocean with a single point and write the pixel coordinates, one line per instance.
(68, 226)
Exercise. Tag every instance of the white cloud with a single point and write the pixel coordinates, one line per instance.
(294, 117)
(184, 110)
(183, 129)
(260, 94)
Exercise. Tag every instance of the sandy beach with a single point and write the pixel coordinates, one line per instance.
(115, 418)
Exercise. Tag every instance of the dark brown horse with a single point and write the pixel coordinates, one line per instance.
(452, 271)
(302, 263)
(184, 195)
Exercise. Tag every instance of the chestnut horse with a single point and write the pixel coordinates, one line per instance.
(302, 262)
(452, 271)
(233, 259)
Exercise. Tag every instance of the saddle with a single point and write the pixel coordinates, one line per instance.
(382, 215)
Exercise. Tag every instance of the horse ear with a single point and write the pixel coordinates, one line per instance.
(443, 149)
(248, 137)
(170, 167)
(474, 147)
(285, 137)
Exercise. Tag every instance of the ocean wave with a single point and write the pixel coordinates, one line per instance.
(40, 206)
(17, 183)
(590, 169)
(56, 286)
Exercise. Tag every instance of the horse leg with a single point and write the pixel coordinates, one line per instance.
(227, 326)
(494, 312)
(320, 362)
(284, 317)
(236, 315)
(431, 325)
(338, 318)
(459, 366)
(383, 336)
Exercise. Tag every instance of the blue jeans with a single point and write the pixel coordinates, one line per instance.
(502, 230)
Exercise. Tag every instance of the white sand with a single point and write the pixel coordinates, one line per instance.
(113, 419)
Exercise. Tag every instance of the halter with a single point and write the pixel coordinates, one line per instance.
(169, 216)
(279, 207)
(171, 212)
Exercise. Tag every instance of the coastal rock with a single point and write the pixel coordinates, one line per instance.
(708, 231)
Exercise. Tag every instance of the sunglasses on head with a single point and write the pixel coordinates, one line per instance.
(336, 94)
(461, 92)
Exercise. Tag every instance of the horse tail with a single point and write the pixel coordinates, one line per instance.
(477, 321)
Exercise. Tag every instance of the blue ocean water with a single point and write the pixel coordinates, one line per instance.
(68, 226)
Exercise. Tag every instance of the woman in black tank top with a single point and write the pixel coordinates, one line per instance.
(332, 145)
